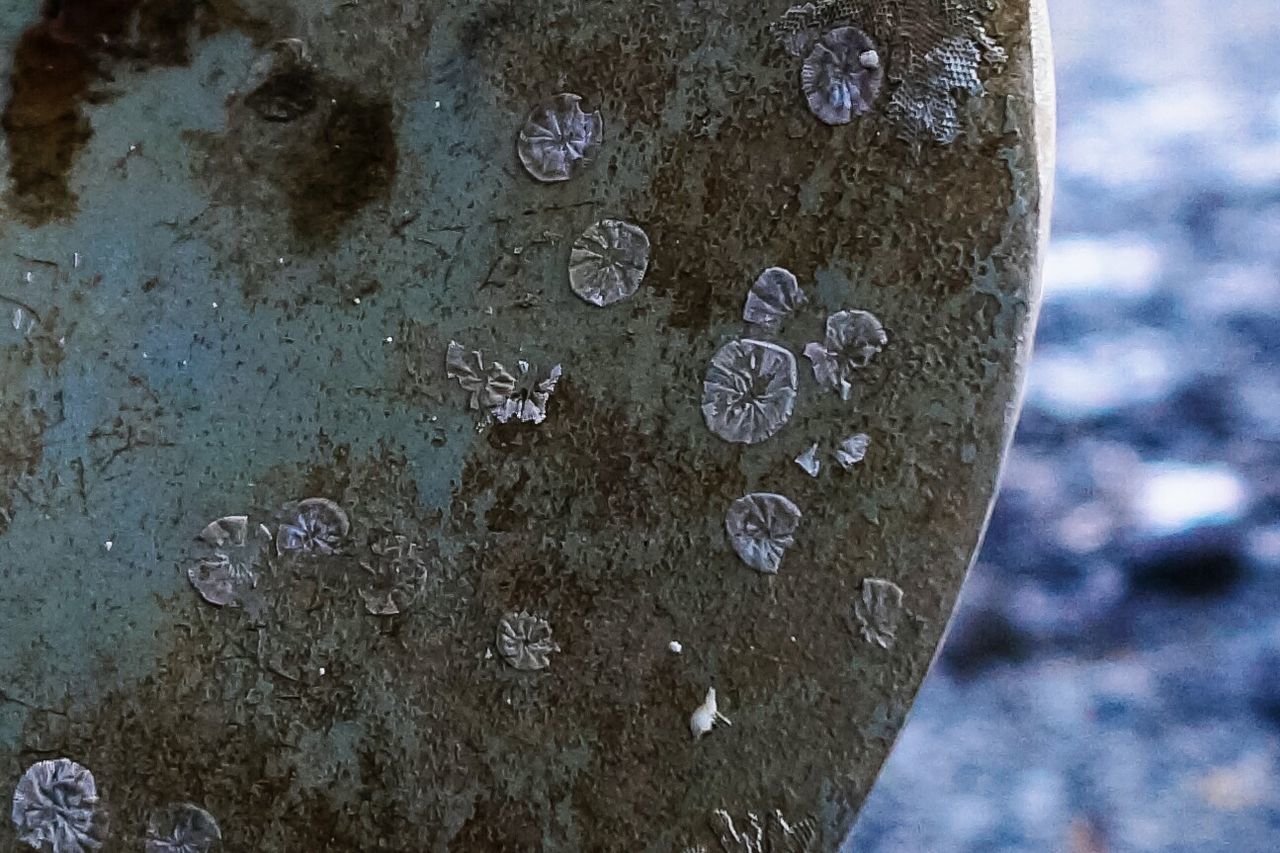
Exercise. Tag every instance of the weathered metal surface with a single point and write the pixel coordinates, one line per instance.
(238, 241)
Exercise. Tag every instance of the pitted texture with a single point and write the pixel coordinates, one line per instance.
(935, 48)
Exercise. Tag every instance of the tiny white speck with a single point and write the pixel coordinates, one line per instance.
(388, 339)
(144, 355)
(356, 300)
(215, 305)
(75, 262)
(280, 261)
(488, 654)
(133, 147)
(108, 544)
(675, 647)
(437, 105)
(28, 276)
(322, 670)
(433, 418)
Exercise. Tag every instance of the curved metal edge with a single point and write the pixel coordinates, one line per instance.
(1044, 143)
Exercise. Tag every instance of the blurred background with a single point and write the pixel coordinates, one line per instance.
(1111, 679)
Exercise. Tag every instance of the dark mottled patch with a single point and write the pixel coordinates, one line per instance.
(56, 65)
(285, 95)
(22, 426)
(350, 162)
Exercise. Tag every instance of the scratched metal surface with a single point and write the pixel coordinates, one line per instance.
(220, 306)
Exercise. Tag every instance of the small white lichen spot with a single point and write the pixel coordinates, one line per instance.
(183, 828)
(853, 450)
(775, 295)
(761, 527)
(809, 461)
(558, 138)
(853, 338)
(706, 715)
(750, 391)
(879, 610)
(56, 809)
(608, 261)
(675, 647)
(524, 641)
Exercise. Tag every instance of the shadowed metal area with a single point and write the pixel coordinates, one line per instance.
(332, 518)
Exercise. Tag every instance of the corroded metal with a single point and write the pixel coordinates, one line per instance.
(238, 240)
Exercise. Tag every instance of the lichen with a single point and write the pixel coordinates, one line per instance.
(222, 581)
(558, 138)
(853, 338)
(498, 392)
(608, 261)
(809, 461)
(182, 828)
(878, 610)
(853, 450)
(226, 577)
(524, 641)
(750, 391)
(761, 527)
(312, 527)
(56, 808)
(774, 296)
(841, 76)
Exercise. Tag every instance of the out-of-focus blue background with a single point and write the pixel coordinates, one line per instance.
(1111, 679)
